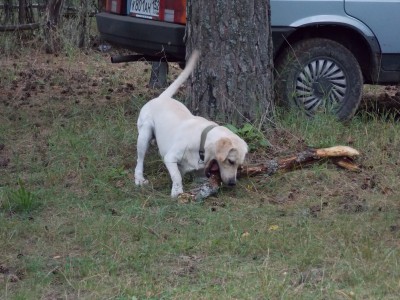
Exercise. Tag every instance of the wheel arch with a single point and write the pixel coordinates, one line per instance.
(365, 51)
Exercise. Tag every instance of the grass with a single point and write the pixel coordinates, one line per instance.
(20, 200)
(316, 233)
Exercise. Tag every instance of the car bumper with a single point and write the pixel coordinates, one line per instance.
(143, 36)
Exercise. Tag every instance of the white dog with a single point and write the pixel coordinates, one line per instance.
(186, 142)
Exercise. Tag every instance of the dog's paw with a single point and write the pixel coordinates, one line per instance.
(176, 190)
(141, 181)
(175, 194)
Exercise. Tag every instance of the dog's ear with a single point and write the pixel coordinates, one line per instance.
(223, 148)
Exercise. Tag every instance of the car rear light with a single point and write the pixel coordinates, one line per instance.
(173, 11)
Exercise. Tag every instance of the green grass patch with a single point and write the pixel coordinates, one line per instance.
(90, 233)
(20, 200)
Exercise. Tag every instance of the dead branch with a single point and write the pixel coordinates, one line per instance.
(342, 156)
(299, 160)
(19, 27)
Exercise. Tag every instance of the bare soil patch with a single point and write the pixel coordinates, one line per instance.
(59, 82)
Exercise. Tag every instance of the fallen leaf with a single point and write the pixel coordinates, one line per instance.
(245, 234)
(273, 227)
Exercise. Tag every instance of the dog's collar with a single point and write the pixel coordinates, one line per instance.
(203, 140)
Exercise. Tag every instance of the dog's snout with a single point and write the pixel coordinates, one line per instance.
(232, 182)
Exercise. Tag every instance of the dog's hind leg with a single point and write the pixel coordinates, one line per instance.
(143, 141)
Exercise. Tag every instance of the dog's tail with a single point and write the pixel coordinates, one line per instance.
(171, 90)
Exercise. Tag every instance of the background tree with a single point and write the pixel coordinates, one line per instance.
(22, 12)
(20, 15)
(51, 29)
(68, 21)
(233, 80)
(83, 24)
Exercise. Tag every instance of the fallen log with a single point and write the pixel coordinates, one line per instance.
(19, 27)
(342, 156)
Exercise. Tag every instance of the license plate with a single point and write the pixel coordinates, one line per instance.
(145, 8)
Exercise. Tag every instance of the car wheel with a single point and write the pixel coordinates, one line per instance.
(319, 75)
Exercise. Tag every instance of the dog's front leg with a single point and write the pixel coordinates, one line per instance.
(176, 177)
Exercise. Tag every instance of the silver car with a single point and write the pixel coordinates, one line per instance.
(324, 50)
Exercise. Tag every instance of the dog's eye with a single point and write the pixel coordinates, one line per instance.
(231, 162)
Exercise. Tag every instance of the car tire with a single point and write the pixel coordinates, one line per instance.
(317, 75)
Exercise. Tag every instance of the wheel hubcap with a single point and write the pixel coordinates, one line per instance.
(321, 84)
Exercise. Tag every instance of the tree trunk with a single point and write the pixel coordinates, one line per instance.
(83, 24)
(101, 5)
(233, 80)
(53, 17)
(22, 12)
(8, 12)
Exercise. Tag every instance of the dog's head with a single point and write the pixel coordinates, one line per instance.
(225, 156)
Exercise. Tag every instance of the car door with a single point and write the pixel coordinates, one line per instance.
(383, 18)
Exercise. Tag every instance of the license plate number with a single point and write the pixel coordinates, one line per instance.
(145, 8)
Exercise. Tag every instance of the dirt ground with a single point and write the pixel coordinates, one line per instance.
(48, 81)
(27, 83)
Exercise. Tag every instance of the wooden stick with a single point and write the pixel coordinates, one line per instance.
(342, 156)
(301, 159)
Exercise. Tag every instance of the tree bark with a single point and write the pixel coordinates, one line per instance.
(83, 24)
(233, 80)
(51, 33)
(8, 12)
(22, 12)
